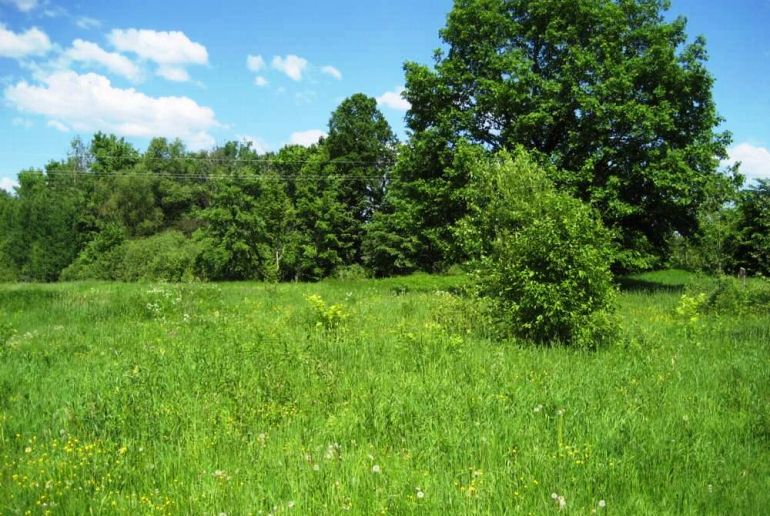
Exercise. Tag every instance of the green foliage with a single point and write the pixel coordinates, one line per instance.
(609, 92)
(425, 198)
(326, 316)
(324, 222)
(729, 295)
(41, 237)
(167, 256)
(132, 200)
(361, 148)
(543, 256)
(7, 206)
(101, 259)
(351, 272)
(752, 242)
(235, 229)
(689, 307)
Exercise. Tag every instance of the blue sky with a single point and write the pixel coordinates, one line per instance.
(272, 72)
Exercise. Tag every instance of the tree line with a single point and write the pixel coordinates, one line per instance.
(612, 102)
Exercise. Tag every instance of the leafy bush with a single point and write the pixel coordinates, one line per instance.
(100, 259)
(732, 296)
(351, 272)
(326, 316)
(542, 257)
(168, 256)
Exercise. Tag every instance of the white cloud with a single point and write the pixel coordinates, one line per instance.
(58, 126)
(291, 65)
(306, 138)
(260, 81)
(255, 63)
(394, 100)
(22, 5)
(331, 71)
(173, 73)
(17, 45)
(89, 102)
(86, 22)
(159, 46)
(170, 50)
(87, 52)
(257, 144)
(755, 161)
(8, 184)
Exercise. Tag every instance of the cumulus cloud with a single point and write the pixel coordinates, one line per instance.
(331, 71)
(87, 52)
(306, 138)
(33, 42)
(260, 81)
(171, 51)
(755, 161)
(22, 5)
(173, 73)
(89, 102)
(8, 184)
(291, 65)
(394, 100)
(255, 63)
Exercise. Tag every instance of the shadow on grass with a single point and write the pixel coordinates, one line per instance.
(629, 284)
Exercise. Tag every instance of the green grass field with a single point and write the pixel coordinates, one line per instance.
(256, 399)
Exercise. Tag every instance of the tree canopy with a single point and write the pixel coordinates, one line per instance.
(608, 91)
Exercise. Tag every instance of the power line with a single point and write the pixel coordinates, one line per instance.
(270, 160)
(161, 175)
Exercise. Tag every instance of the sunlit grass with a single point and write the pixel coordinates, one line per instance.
(243, 398)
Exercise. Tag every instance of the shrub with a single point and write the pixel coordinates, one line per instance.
(542, 257)
(325, 316)
(351, 272)
(167, 256)
(100, 259)
(729, 295)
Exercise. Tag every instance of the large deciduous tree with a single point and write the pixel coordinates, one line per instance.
(610, 92)
(361, 147)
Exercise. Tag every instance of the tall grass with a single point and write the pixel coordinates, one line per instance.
(242, 399)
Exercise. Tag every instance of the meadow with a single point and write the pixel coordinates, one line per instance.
(372, 396)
